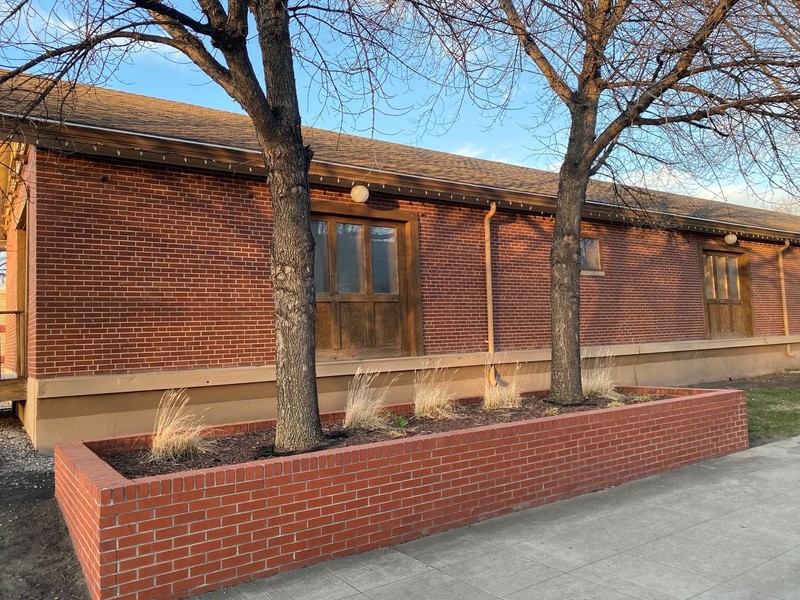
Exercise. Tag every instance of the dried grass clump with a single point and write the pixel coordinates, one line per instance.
(503, 394)
(552, 411)
(432, 399)
(178, 432)
(365, 402)
(597, 381)
(615, 404)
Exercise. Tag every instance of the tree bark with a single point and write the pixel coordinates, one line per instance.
(292, 256)
(565, 266)
(292, 252)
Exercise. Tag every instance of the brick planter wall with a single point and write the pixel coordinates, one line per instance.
(175, 535)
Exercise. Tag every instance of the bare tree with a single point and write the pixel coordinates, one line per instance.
(709, 88)
(249, 48)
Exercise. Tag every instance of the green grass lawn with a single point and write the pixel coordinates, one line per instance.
(773, 413)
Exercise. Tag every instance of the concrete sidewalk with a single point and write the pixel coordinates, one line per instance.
(727, 528)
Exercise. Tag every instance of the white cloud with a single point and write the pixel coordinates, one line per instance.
(470, 151)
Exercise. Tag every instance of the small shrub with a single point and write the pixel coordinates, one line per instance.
(597, 381)
(365, 402)
(642, 398)
(615, 404)
(551, 411)
(431, 397)
(178, 432)
(399, 421)
(503, 394)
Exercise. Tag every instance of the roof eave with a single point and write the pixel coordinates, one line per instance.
(83, 139)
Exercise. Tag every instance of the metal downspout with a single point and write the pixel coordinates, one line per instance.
(783, 297)
(487, 248)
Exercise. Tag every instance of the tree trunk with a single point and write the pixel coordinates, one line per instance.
(292, 252)
(565, 266)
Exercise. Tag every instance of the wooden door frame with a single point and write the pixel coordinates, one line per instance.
(408, 262)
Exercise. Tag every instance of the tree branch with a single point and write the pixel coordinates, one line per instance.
(153, 7)
(532, 49)
(194, 49)
(745, 105)
(679, 71)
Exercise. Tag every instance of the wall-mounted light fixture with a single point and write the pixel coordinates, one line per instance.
(731, 239)
(359, 193)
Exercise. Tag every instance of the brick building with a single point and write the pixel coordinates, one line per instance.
(137, 233)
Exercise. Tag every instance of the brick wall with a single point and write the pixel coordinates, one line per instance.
(174, 535)
(767, 312)
(453, 278)
(650, 289)
(142, 267)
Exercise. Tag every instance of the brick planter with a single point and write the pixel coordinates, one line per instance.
(175, 535)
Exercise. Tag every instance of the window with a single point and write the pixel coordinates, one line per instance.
(366, 282)
(590, 254)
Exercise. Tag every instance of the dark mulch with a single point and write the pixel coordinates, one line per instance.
(249, 446)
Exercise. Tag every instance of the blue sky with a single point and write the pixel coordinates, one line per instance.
(473, 134)
(494, 137)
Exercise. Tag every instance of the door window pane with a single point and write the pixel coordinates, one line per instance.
(721, 277)
(384, 260)
(708, 276)
(322, 276)
(350, 258)
(733, 279)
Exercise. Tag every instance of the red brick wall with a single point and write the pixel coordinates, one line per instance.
(158, 268)
(152, 269)
(792, 272)
(174, 535)
(650, 289)
(453, 278)
(767, 312)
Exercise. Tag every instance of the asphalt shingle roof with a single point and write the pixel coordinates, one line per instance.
(124, 112)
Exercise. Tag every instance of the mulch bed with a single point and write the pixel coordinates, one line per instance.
(248, 446)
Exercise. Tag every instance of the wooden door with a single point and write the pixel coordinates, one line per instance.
(360, 287)
(726, 288)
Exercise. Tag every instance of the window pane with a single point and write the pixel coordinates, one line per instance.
(721, 277)
(708, 276)
(590, 254)
(733, 279)
(350, 258)
(384, 260)
(322, 276)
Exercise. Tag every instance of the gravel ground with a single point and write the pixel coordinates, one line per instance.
(37, 561)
